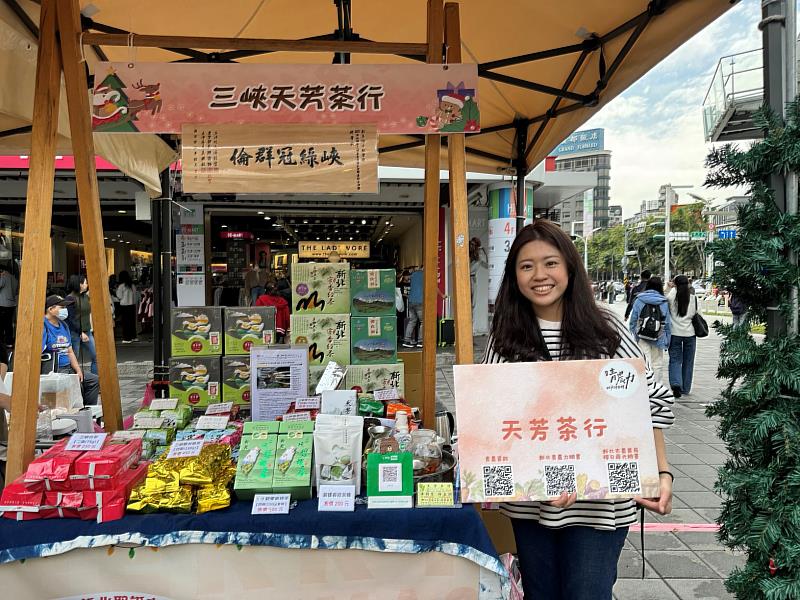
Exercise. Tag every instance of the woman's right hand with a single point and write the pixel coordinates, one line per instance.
(565, 500)
(84, 337)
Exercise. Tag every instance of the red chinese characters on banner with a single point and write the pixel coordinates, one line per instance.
(566, 430)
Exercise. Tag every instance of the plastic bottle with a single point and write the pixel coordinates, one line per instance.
(401, 434)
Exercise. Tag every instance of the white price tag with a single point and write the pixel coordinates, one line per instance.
(164, 404)
(298, 416)
(148, 423)
(83, 442)
(128, 434)
(206, 422)
(271, 504)
(220, 408)
(336, 498)
(387, 394)
(310, 403)
(185, 448)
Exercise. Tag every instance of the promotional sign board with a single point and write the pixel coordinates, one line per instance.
(563, 426)
(581, 141)
(400, 99)
(324, 249)
(320, 159)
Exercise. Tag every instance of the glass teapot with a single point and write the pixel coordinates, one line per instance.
(426, 446)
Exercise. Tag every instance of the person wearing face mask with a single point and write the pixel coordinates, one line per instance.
(56, 339)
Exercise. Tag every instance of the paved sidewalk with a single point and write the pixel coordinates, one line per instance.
(684, 564)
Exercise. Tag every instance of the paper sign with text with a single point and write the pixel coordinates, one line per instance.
(164, 404)
(185, 448)
(298, 416)
(336, 498)
(562, 426)
(148, 423)
(220, 408)
(271, 504)
(207, 422)
(83, 442)
(435, 494)
(310, 403)
(387, 394)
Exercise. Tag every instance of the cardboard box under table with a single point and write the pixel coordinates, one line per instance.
(195, 380)
(248, 327)
(372, 292)
(373, 340)
(320, 288)
(196, 331)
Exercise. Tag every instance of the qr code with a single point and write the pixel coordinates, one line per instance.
(498, 481)
(623, 478)
(390, 478)
(559, 479)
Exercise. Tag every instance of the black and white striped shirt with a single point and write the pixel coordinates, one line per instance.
(599, 514)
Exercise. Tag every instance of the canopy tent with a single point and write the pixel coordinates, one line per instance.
(533, 92)
(545, 67)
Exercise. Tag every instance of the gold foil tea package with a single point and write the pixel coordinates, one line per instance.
(207, 466)
(180, 501)
(213, 497)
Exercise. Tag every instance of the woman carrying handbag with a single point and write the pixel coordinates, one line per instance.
(687, 325)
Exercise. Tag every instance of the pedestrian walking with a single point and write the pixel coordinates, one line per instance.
(9, 290)
(413, 335)
(638, 288)
(126, 294)
(79, 320)
(738, 310)
(545, 311)
(650, 324)
(683, 305)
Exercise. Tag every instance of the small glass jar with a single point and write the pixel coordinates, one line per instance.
(427, 450)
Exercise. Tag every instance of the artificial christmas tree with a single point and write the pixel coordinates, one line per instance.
(759, 410)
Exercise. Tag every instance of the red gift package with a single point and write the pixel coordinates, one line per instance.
(61, 505)
(52, 469)
(17, 497)
(103, 469)
(18, 515)
(108, 505)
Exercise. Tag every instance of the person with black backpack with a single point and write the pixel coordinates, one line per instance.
(650, 324)
(636, 290)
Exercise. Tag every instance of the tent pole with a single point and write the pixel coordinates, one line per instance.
(430, 258)
(91, 216)
(38, 220)
(521, 167)
(459, 211)
(158, 329)
(166, 272)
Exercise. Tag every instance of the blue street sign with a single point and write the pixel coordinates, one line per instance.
(726, 234)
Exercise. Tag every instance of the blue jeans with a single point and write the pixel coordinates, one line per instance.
(571, 563)
(681, 362)
(88, 351)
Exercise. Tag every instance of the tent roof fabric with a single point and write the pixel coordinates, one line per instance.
(585, 52)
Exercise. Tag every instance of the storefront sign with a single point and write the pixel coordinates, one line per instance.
(236, 235)
(564, 426)
(320, 159)
(161, 97)
(324, 249)
(581, 141)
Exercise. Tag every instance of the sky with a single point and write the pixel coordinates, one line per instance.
(655, 128)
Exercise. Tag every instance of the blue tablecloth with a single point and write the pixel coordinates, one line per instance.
(457, 531)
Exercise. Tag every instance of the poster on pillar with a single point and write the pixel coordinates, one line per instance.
(319, 159)
(400, 98)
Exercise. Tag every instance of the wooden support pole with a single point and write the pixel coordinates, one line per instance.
(35, 260)
(459, 211)
(258, 45)
(430, 255)
(89, 205)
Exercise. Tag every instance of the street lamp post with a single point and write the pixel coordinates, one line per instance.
(585, 240)
(668, 204)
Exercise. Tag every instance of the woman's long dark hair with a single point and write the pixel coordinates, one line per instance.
(655, 284)
(125, 279)
(682, 294)
(585, 329)
(74, 284)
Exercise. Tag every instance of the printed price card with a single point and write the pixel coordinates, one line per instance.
(84, 442)
(148, 423)
(164, 404)
(310, 403)
(434, 494)
(271, 504)
(206, 422)
(387, 394)
(298, 416)
(185, 448)
(337, 498)
(220, 408)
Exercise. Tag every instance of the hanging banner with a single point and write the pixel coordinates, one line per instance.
(298, 159)
(161, 97)
(580, 426)
(324, 249)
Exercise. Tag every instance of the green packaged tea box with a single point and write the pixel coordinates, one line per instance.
(368, 378)
(373, 340)
(196, 331)
(372, 292)
(248, 327)
(327, 337)
(320, 288)
(195, 381)
(292, 473)
(236, 379)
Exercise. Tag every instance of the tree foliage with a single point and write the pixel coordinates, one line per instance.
(759, 410)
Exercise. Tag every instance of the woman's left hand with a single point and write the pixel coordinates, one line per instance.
(84, 337)
(565, 500)
(663, 504)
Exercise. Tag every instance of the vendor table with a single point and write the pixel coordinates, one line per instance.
(418, 553)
